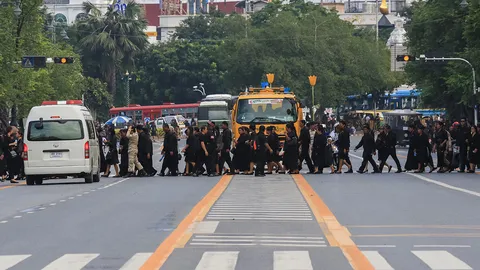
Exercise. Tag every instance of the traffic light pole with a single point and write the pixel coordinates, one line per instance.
(475, 112)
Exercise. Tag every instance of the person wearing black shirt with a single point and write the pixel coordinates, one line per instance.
(207, 142)
(226, 147)
(319, 149)
(123, 153)
(343, 148)
(261, 151)
(11, 154)
(290, 156)
(170, 150)
(391, 142)
(253, 138)
(190, 150)
(462, 136)
(422, 149)
(368, 143)
(304, 141)
(273, 159)
(440, 146)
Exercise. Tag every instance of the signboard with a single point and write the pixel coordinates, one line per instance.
(120, 6)
(56, 2)
(264, 101)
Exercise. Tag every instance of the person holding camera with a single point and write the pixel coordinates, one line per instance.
(132, 136)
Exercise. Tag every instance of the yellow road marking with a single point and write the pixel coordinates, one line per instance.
(335, 233)
(5, 187)
(180, 236)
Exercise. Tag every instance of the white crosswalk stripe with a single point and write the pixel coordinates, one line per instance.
(257, 240)
(251, 199)
(71, 262)
(8, 261)
(219, 260)
(378, 261)
(292, 260)
(441, 260)
(136, 261)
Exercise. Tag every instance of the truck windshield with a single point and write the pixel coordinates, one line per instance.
(263, 110)
(213, 113)
(58, 130)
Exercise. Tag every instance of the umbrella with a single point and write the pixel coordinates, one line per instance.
(119, 120)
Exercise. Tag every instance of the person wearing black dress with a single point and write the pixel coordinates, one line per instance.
(112, 155)
(474, 147)
(319, 150)
(241, 152)
(290, 156)
(411, 163)
(368, 144)
(190, 149)
(422, 149)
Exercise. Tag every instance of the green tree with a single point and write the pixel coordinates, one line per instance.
(436, 29)
(110, 42)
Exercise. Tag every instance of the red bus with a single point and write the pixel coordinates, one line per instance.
(138, 113)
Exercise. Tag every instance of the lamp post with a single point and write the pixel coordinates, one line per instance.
(127, 90)
(200, 89)
(313, 81)
(475, 90)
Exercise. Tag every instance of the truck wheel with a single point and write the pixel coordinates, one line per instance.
(38, 180)
(89, 178)
(30, 180)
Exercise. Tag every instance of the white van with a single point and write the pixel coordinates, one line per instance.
(60, 140)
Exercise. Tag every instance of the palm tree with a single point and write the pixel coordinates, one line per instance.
(111, 41)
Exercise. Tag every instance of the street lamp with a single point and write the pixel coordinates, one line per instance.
(200, 89)
(464, 4)
(17, 11)
(127, 90)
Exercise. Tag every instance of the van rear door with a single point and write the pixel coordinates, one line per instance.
(56, 143)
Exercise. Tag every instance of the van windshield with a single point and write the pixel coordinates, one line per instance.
(213, 113)
(55, 130)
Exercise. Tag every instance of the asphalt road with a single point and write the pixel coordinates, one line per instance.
(280, 222)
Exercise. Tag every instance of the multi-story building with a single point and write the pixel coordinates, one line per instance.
(164, 16)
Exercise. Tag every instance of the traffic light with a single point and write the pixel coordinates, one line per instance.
(405, 58)
(63, 60)
(34, 62)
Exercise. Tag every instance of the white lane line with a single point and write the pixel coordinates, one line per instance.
(258, 211)
(259, 237)
(86, 192)
(71, 198)
(219, 260)
(258, 218)
(29, 212)
(71, 262)
(426, 179)
(205, 227)
(292, 260)
(376, 246)
(42, 208)
(113, 184)
(290, 245)
(79, 195)
(266, 215)
(378, 261)
(8, 261)
(444, 185)
(262, 208)
(92, 190)
(53, 204)
(17, 216)
(442, 246)
(62, 201)
(441, 260)
(259, 241)
(3, 221)
(136, 261)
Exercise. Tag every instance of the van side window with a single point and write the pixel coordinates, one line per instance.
(91, 129)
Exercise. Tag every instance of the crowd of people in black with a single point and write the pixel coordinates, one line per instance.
(11, 152)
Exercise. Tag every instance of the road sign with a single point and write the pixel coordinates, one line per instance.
(27, 62)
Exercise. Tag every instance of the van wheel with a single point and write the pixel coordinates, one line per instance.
(89, 178)
(38, 180)
(96, 177)
(30, 180)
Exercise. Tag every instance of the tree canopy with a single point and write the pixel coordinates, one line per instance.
(443, 28)
(293, 41)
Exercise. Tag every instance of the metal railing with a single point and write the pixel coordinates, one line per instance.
(368, 6)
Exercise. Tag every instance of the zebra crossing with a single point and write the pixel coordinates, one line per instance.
(275, 198)
(228, 260)
(257, 240)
